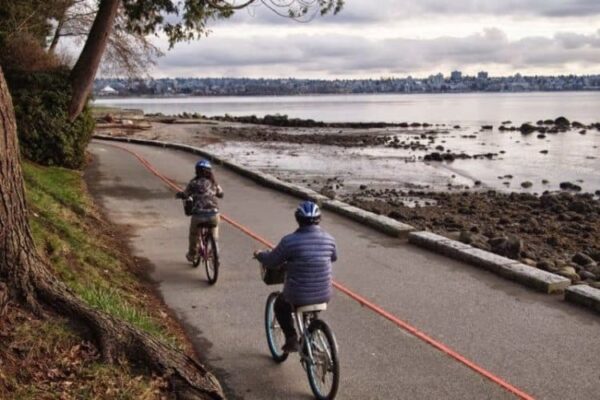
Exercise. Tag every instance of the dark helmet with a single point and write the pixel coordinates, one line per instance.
(203, 165)
(308, 213)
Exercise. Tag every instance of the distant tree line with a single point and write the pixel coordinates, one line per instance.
(257, 87)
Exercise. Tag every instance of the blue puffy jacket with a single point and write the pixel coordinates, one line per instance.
(306, 256)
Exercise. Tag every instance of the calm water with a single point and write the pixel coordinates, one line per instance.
(570, 156)
(471, 108)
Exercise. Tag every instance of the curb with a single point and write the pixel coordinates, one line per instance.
(584, 295)
(535, 278)
(383, 224)
(380, 223)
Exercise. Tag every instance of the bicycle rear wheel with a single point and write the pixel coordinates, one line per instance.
(275, 335)
(324, 372)
(211, 259)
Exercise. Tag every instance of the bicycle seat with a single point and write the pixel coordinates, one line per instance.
(311, 308)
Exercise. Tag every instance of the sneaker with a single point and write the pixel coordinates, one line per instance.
(291, 345)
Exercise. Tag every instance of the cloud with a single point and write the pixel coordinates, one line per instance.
(371, 11)
(348, 55)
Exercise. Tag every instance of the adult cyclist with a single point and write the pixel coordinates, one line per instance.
(306, 256)
(203, 190)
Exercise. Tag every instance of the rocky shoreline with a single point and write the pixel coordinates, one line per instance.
(556, 232)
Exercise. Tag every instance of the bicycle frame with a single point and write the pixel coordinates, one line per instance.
(303, 320)
(202, 240)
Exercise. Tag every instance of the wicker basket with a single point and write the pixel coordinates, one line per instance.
(272, 276)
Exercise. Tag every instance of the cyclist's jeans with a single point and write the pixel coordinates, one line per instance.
(195, 230)
(283, 313)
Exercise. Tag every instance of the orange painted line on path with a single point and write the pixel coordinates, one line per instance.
(358, 298)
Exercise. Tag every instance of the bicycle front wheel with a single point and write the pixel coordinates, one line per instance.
(211, 260)
(324, 369)
(275, 335)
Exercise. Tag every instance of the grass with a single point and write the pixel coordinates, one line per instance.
(111, 302)
(68, 231)
(48, 357)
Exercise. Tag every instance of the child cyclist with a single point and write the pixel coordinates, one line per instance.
(203, 190)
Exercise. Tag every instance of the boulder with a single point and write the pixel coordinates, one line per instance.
(546, 265)
(433, 157)
(587, 275)
(396, 215)
(562, 122)
(527, 128)
(570, 186)
(328, 192)
(507, 246)
(474, 239)
(529, 261)
(569, 272)
(583, 259)
(526, 184)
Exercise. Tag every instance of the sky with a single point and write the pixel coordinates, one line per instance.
(383, 38)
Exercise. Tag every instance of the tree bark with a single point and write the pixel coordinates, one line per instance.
(26, 278)
(84, 71)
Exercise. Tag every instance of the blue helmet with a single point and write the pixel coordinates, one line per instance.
(203, 164)
(308, 213)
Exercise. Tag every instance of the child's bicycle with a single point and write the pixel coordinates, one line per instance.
(318, 347)
(207, 253)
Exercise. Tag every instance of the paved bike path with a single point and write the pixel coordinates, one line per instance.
(536, 342)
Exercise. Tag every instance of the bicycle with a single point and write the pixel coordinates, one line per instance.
(207, 253)
(318, 346)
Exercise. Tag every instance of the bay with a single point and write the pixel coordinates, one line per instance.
(465, 108)
(544, 162)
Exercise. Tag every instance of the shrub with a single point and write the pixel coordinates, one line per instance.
(23, 52)
(46, 136)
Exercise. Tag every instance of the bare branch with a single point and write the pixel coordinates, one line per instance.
(226, 6)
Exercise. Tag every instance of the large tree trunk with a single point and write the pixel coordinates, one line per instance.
(26, 278)
(84, 71)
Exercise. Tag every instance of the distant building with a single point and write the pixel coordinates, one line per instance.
(257, 87)
(456, 76)
(108, 91)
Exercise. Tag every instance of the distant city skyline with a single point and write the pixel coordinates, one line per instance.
(456, 82)
(371, 39)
